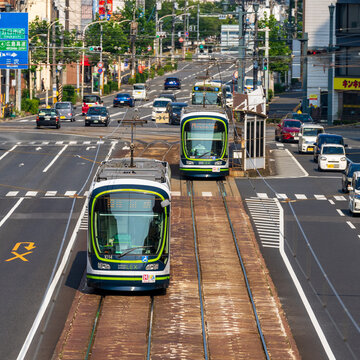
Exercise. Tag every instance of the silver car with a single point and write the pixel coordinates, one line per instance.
(66, 110)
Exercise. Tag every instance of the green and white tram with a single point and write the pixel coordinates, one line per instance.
(204, 150)
(129, 226)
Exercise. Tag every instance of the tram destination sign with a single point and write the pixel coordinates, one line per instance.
(14, 35)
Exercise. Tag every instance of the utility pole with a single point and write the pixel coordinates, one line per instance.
(304, 43)
(133, 32)
(198, 24)
(266, 70)
(184, 42)
(54, 88)
(241, 66)
(331, 67)
(101, 59)
(256, 61)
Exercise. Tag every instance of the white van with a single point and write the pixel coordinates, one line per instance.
(159, 107)
(354, 195)
(307, 137)
(140, 92)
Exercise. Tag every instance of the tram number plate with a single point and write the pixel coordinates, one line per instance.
(148, 278)
(216, 169)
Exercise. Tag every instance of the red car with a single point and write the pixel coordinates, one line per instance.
(288, 130)
(88, 101)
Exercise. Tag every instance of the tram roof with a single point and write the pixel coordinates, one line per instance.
(143, 169)
(208, 110)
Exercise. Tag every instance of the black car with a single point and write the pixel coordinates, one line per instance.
(347, 176)
(48, 117)
(97, 115)
(172, 83)
(175, 110)
(326, 138)
(170, 96)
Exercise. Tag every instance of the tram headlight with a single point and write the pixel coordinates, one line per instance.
(103, 266)
(152, 267)
(189, 162)
(218, 162)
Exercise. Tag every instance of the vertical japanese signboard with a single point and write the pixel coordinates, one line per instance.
(14, 36)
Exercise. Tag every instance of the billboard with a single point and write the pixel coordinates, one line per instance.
(14, 38)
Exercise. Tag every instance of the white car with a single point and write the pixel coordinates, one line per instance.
(354, 195)
(229, 101)
(159, 106)
(332, 157)
(140, 92)
(307, 137)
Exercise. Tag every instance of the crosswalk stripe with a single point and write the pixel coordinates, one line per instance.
(281, 196)
(70, 193)
(339, 198)
(51, 193)
(12, 193)
(300, 196)
(320, 197)
(31, 193)
(262, 195)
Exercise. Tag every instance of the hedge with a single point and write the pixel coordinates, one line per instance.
(30, 105)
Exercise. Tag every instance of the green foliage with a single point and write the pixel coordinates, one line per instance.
(188, 56)
(160, 71)
(69, 94)
(270, 94)
(113, 85)
(279, 52)
(279, 88)
(30, 106)
(106, 89)
(168, 68)
(132, 81)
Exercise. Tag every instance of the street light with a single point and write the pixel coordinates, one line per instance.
(30, 73)
(83, 49)
(48, 62)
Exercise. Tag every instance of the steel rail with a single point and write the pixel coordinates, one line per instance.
(190, 191)
(223, 195)
(150, 328)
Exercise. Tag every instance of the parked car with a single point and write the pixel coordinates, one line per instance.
(170, 96)
(175, 110)
(347, 176)
(172, 83)
(354, 196)
(159, 106)
(124, 99)
(325, 138)
(307, 137)
(303, 117)
(140, 92)
(332, 157)
(66, 110)
(287, 130)
(48, 117)
(89, 101)
(98, 115)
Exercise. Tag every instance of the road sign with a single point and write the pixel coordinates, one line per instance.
(14, 36)
(181, 40)
(100, 64)
(100, 70)
(149, 48)
(186, 34)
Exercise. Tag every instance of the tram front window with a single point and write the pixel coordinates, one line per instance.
(204, 139)
(210, 98)
(128, 223)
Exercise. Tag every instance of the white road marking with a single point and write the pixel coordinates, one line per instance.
(70, 193)
(339, 198)
(320, 197)
(206, 193)
(59, 143)
(281, 196)
(351, 224)
(3, 155)
(38, 148)
(300, 196)
(2, 222)
(55, 158)
(12, 193)
(262, 195)
(51, 193)
(331, 202)
(31, 193)
(340, 212)
(175, 193)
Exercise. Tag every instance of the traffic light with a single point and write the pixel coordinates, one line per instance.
(265, 64)
(95, 48)
(201, 47)
(317, 52)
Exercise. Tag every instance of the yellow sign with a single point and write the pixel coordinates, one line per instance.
(346, 83)
(162, 118)
(29, 246)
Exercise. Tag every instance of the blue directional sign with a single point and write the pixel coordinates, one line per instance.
(14, 38)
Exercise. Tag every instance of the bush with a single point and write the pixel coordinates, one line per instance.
(160, 71)
(270, 94)
(168, 68)
(106, 89)
(31, 106)
(188, 56)
(69, 94)
(113, 85)
(132, 81)
(279, 88)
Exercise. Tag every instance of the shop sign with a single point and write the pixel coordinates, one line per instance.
(346, 83)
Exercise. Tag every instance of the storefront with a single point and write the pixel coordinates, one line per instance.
(348, 90)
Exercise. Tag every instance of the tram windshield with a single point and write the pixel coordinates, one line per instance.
(204, 139)
(207, 94)
(128, 223)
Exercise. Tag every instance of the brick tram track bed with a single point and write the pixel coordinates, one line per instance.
(122, 328)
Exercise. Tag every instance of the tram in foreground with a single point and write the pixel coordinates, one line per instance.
(204, 150)
(129, 226)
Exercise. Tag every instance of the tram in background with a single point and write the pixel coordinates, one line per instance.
(129, 226)
(204, 150)
(206, 93)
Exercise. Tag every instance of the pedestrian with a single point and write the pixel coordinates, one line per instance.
(42, 85)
